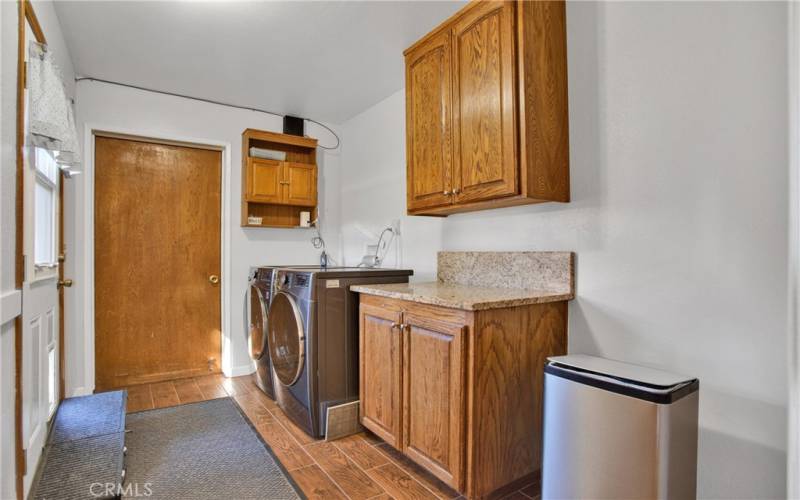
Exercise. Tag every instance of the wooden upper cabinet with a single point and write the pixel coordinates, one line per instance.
(429, 123)
(434, 396)
(301, 184)
(486, 109)
(380, 382)
(276, 193)
(484, 103)
(281, 183)
(264, 181)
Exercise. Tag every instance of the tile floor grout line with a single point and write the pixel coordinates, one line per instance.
(291, 436)
(361, 469)
(391, 461)
(397, 464)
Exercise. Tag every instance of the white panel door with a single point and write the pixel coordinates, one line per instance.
(39, 304)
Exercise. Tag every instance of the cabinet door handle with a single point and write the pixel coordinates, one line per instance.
(284, 182)
(447, 193)
(456, 191)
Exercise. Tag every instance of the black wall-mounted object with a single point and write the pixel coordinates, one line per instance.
(294, 125)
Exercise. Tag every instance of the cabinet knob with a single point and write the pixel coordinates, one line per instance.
(447, 193)
(456, 191)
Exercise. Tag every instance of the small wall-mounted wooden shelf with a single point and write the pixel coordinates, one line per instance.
(278, 191)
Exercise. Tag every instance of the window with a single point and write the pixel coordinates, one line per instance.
(45, 210)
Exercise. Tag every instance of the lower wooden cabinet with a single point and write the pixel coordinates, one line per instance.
(433, 395)
(380, 342)
(459, 392)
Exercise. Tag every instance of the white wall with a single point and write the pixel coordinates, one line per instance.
(373, 190)
(111, 107)
(8, 100)
(678, 149)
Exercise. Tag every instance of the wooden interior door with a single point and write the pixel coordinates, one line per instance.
(429, 124)
(380, 346)
(157, 261)
(485, 158)
(434, 396)
(264, 181)
(301, 184)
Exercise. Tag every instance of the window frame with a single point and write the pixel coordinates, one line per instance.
(50, 179)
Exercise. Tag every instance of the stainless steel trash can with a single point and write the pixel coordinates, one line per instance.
(617, 430)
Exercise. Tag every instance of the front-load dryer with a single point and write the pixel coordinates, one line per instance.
(258, 298)
(313, 339)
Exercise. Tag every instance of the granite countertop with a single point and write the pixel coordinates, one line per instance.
(465, 297)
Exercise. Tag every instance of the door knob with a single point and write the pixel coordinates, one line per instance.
(64, 283)
(213, 279)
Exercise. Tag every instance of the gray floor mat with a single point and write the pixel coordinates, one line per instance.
(80, 469)
(201, 451)
(88, 416)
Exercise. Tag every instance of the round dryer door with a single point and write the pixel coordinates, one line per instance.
(258, 323)
(286, 338)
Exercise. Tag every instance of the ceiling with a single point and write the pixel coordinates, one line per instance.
(321, 60)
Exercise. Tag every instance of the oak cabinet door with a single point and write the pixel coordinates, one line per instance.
(300, 180)
(429, 124)
(434, 397)
(264, 181)
(485, 158)
(380, 358)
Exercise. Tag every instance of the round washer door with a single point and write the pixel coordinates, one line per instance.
(286, 338)
(258, 323)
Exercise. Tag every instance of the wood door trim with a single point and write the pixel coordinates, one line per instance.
(26, 14)
(156, 140)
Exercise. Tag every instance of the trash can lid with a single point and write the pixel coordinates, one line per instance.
(629, 379)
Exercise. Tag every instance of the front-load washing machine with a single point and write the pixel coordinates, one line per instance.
(259, 295)
(313, 339)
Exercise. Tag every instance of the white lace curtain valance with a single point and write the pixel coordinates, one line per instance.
(51, 124)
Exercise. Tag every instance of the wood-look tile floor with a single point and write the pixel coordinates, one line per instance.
(356, 467)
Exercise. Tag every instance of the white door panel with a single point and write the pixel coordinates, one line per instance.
(40, 310)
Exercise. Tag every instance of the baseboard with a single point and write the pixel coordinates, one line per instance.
(80, 391)
(238, 371)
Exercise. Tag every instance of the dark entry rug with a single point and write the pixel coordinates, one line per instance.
(198, 451)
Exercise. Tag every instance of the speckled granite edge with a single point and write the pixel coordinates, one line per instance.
(462, 297)
(519, 270)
